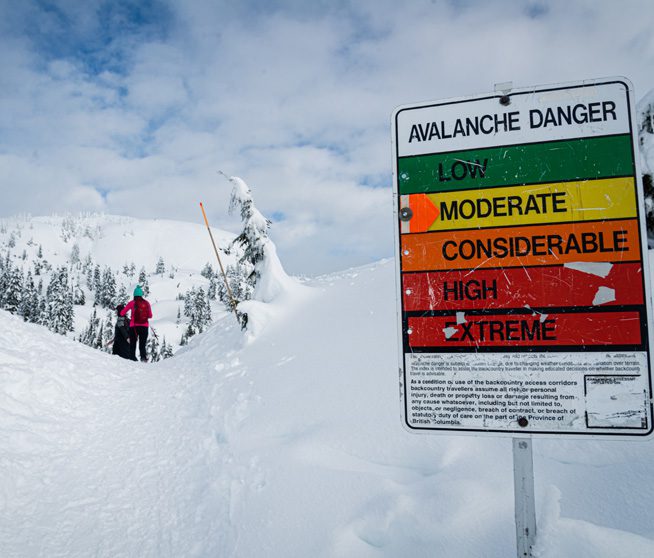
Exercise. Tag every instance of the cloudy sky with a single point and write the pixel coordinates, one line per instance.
(131, 107)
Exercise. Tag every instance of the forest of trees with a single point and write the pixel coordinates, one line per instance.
(47, 295)
(43, 294)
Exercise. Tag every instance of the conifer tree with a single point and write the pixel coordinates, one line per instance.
(143, 281)
(152, 348)
(87, 264)
(645, 136)
(161, 266)
(97, 279)
(89, 277)
(202, 310)
(212, 291)
(123, 295)
(267, 277)
(74, 254)
(108, 290)
(239, 283)
(254, 235)
(190, 312)
(43, 312)
(207, 271)
(107, 334)
(198, 310)
(11, 293)
(59, 302)
(29, 304)
(99, 337)
(89, 334)
(166, 350)
(79, 298)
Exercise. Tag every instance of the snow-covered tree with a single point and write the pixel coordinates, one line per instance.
(203, 309)
(143, 281)
(74, 254)
(238, 277)
(98, 341)
(184, 339)
(123, 295)
(198, 310)
(87, 263)
(266, 277)
(96, 283)
(59, 302)
(161, 266)
(79, 298)
(166, 349)
(646, 142)
(89, 334)
(68, 228)
(254, 235)
(107, 334)
(152, 348)
(43, 312)
(29, 304)
(108, 289)
(11, 286)
(207, 271)
(212, 291)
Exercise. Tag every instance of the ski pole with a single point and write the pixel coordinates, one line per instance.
(222, 270)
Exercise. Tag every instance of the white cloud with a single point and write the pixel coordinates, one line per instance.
(295, 97)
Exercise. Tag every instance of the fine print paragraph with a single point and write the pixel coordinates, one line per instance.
(574, 392)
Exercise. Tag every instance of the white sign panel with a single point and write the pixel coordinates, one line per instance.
(522, 282)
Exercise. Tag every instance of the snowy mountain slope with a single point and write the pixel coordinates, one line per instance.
(118, 243)
(115, 240)
(285, 443)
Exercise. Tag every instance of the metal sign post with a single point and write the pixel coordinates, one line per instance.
(525, 501)
(521, 269)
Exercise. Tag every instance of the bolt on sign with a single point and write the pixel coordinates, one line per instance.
(521, 263)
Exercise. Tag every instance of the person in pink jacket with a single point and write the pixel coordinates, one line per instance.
(138, 323)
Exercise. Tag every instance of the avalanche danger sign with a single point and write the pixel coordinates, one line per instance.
(521, 263)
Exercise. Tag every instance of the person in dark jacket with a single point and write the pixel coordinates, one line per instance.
(121, 335)
(138, 323)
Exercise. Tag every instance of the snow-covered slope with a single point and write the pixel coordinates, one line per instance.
(286, 443)
(84, 242)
